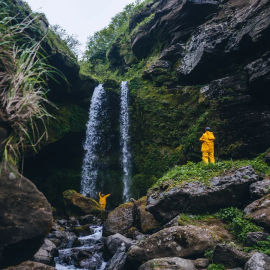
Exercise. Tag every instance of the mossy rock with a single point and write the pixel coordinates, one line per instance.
(76, 205)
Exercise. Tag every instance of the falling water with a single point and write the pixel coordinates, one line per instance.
(93, 139)
(124, 142)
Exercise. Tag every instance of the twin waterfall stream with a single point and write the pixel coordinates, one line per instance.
(94, 138)
(90, 171)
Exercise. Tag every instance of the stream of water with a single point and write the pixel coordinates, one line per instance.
(91, 247)
(125, 140)
(92, 140)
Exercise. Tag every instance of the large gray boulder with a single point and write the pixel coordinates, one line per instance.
(168, 263)
(259, 211)
(26, 218)
(196, 197)
(118, 261)
(114, 242)
(260, 189)
(177, 241)
(120, 219)
(46, 253)
(258, 261)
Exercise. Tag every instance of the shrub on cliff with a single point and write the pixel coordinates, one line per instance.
(23, 77)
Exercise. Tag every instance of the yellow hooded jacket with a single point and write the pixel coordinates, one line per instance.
(207, 140)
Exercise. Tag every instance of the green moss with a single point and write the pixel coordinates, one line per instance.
(68, 118)
(58, 45)
(203, 173)
(185, 219)
(261, 246)
(142, 24)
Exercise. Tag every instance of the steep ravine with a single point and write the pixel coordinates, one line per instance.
(189, 64)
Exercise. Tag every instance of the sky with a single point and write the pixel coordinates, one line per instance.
(81, 18)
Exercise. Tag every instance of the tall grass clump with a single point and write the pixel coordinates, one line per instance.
(23, 76)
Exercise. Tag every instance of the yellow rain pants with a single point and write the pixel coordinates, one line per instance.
(207, 149)
(102, 200)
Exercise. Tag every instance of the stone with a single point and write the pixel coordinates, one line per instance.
(195, 197)
(114, 242)
(260, 189)
(177, 241)
(229, 256)
(29, 265)
(26, 218)
(118, 261)
(254, 237)
(46, 253)
(147, 221)
(259, 211)
(258, 261)
(201, 263)
(168, 263)
(77, 204)
(119, 220)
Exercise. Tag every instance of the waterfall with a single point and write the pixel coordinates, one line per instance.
(124, 141)
(92, 140)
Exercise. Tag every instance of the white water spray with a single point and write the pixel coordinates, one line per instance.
(93, 139)
(124, 141)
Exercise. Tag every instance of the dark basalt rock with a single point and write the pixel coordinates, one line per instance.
(239, 27)
(259, 211)
(254, 237)
(229, 256)
(26, 218)
(169, 23)
(195, 197)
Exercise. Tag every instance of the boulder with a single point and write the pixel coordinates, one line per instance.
(26, 218)
(147, 221)
(168, 264)
(77, 204)
(114, 242)
(229, 256)
(119, 220)
(46, 253)
(177, 241)
(259, 211)
(201, 263)
(254, 237)
(260, 188)
(118, 261)
(29, 265)
(196, 197)
(258, 261)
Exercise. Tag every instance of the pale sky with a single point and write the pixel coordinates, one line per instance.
(79, 17)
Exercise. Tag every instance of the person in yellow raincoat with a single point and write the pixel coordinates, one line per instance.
(103, 199)
(207, 149)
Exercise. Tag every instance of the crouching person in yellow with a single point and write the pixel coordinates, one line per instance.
(103, 200)
(207, 149)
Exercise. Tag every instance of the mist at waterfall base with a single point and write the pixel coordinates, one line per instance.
(125, 141)
(107, 161)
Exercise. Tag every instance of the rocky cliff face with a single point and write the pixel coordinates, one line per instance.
(203, 63)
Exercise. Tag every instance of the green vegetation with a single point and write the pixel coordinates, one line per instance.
(238, 225)
(216, 267)
(23, 83)
(203, 173)
(261, 246)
